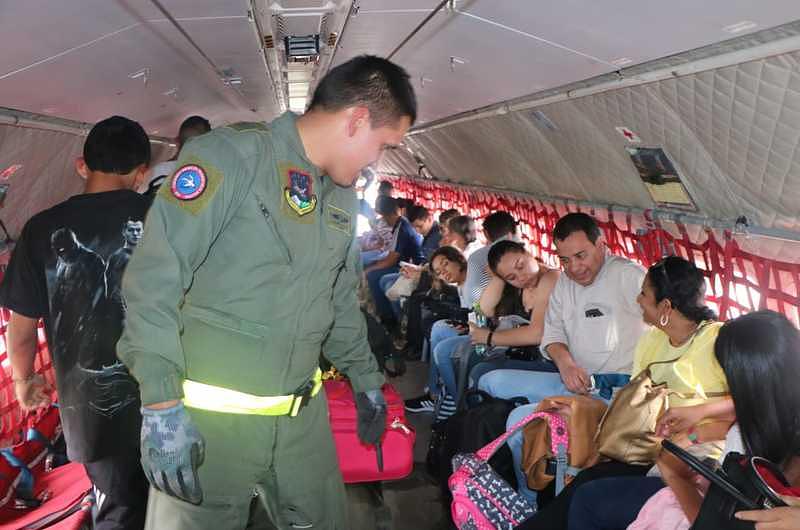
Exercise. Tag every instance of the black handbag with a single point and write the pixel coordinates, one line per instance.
(738, 485)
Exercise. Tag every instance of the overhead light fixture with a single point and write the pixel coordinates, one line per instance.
(424, 80)
(301, 47)
(297, 89)
(543, 121)
(232, 81)
(298, 76)
(622, 61)
(298, 104)
(739, 27)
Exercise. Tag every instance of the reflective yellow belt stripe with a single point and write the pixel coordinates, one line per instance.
(218, 399)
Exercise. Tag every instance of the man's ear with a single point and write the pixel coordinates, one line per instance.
(358, 117)
(82, 168)
(601, 241)
(140, 176)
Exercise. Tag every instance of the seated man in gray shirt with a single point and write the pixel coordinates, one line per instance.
(591, 326)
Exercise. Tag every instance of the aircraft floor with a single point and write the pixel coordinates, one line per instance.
(410, 504)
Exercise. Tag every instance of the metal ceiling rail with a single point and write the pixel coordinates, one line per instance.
(256, 25)
(740, 226)
(30, 120)
(217, 70)
(419, 27)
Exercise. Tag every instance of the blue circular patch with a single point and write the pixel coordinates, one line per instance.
(189, 182)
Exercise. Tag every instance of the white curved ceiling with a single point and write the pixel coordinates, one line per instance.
(511, 48)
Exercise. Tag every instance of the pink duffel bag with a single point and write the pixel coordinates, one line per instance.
(359, 462)
(482, 500)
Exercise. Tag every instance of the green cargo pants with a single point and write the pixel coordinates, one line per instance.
(288, 464)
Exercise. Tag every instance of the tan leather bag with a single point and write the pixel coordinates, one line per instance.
(627, 432)
(582, 414)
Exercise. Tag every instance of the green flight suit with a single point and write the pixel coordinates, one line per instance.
(242, 286)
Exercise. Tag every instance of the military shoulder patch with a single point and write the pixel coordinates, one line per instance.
(338, 219)
(299, 193)
(193, 185)
(189, 182)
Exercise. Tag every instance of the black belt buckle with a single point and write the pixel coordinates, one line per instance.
(303, 393)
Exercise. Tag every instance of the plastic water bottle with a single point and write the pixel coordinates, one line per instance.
(479, 319)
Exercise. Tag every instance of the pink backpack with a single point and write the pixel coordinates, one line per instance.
(482, 500)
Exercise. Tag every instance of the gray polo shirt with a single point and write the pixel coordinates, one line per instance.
(600, 323)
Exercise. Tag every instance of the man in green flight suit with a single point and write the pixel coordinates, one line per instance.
(246, 272)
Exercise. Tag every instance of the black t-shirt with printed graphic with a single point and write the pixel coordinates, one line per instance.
(67, 269)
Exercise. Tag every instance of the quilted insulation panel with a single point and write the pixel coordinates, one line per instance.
(732, 133)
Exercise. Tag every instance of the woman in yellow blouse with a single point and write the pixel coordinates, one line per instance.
(684, 330)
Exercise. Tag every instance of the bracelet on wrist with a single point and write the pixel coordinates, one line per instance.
(691, 434)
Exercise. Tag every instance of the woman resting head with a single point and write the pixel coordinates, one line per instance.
(516, 266)
(449, 264)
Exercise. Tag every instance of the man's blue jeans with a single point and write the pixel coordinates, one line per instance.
(440, 332)
(382, 305)
(368, 257)
(443, 358)
(386, 283)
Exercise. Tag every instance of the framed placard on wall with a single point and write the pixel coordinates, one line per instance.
(660, 177)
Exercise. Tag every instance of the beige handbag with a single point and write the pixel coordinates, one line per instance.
(404, 286)
(627, 432)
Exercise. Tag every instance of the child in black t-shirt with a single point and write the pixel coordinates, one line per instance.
(66, 269)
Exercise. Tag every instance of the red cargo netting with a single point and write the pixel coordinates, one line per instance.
(738, 281)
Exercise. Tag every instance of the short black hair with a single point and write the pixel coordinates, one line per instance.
(499, 224)
(576, 222)
(384, 186)
(416, 213)
(191, 127)
(385, 205)
(373, 82)
(403, 202)
(464, 225)
(116, 145)
(683, 284)
(500, 249)
(445, 216)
